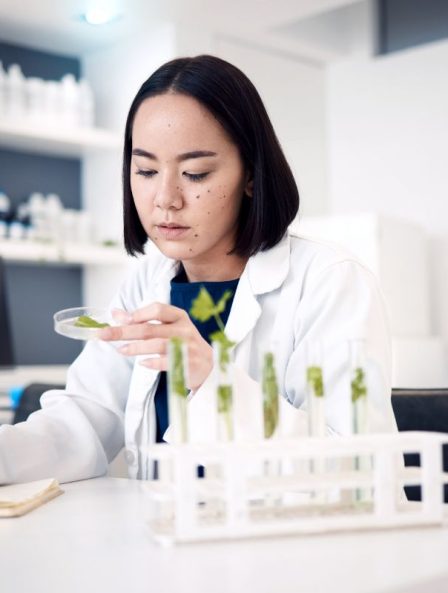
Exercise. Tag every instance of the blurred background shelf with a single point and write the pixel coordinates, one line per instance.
(63, 141)
(23, 252)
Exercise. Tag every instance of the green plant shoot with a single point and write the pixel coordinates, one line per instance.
(177, 373)
(203, 309)
(270, 395)
(358, 385)
(315, 380)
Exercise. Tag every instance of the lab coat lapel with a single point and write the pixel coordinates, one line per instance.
(264, 272)
(143, 379)
(244, 313)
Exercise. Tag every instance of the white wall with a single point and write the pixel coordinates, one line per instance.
(388, 146)
(294, 95)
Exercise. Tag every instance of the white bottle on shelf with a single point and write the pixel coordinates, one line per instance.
(5, 211)
(70, 100)
(35, 88)
(52, 103)
(54, 208)
(38, 217)
(86, 106)
(15, 92)
(2, 91)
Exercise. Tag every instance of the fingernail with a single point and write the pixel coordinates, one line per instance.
(123, 349)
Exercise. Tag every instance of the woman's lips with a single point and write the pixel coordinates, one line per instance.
(172, 232)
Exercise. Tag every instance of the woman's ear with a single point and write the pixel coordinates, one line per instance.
(249, 187)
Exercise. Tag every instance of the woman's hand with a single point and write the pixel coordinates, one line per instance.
(152, 338)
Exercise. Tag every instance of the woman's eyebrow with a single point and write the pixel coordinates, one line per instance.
(194, 154)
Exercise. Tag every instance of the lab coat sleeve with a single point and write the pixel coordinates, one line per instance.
(80, 429)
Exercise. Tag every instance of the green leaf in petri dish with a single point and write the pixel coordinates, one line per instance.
(89, 322)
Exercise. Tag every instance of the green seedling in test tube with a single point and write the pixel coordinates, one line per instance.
(270, 395)
(178, 391)
(203, 309)
(315, 380)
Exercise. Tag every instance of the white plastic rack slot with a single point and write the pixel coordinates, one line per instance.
(300, 486)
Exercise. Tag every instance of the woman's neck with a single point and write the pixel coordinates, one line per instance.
(229, 268)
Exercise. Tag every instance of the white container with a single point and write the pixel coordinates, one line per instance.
(70, 94)
(17, 231)
(38, 216)
(2, 91)
(5, 206)
(52, 103)
(35, 91)
(54, 208)
(86, 105)
(15, 92)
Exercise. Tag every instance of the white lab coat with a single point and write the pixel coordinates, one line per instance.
(301, 290)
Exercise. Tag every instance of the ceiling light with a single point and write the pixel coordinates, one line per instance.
(99, 16)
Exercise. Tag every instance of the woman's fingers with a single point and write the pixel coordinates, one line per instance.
(141, 331)
(158, 312)
(121, 316)
(158, 364)
(156, 346)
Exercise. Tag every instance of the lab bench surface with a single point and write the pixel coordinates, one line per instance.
(95, 538)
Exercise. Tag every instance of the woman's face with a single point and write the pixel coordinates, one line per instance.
(187, 179)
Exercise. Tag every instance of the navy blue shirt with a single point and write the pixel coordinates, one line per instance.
(182, 295)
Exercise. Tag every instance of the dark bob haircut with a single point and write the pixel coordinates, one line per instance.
(234, 101)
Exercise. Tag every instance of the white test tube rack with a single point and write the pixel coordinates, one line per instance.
(237, 498)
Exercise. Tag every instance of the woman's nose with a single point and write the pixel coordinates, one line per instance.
(169, 194)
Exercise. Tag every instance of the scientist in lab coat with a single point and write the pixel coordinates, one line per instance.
(209, 196)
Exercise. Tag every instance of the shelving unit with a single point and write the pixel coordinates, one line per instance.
(59, 141)
(32, 252)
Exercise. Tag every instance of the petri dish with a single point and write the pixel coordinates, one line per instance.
(64, 322)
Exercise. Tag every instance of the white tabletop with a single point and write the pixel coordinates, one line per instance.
(22, 375)
(95, 538)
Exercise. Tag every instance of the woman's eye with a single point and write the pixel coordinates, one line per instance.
(196, 176)
(145, 173)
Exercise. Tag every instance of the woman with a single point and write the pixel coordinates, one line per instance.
(205, 180)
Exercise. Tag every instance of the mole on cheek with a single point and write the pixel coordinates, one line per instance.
(198, 196)
(196, 235)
